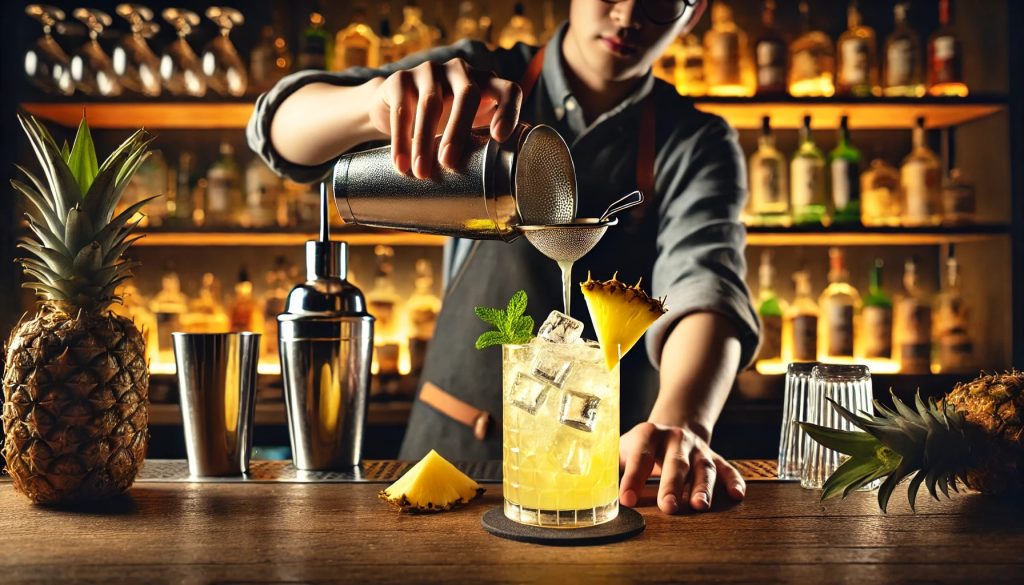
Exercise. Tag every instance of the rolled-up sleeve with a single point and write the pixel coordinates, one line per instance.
(700, 265)
(258, 130)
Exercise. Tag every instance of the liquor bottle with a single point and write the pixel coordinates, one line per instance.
(223, 189)
(858, 58)
(152, 178)
(955, 347)
(919, 180)
(206, 313)
(199, 202)
(243, 313)
(467, 25)
(278, 286)
(945, 71)
(876, 318)
(769, 180)
(839, 304)
(518, 30)
(726, 63)
(881, 201)
(262, 195)
(958, 200)
(800, 326)
(690, 68)
(413, 34)
(913, 324)
(844, 164)
(811, 61)
(770, 55)
(269, 60)
(664, 67)
(133, 306)
(356, 45)
(424, 307)
(807, 180)
(903, 59)
(179, 204)
(382, 302)
(770, 308)
(314, 45)
(168, 306)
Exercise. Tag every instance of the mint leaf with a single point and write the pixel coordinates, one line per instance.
(512, 325)
(516, 306)
(493, 317)
(522, 329)
(489, 338)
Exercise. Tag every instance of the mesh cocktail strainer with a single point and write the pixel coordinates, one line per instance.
(545, 179)
(568, 242)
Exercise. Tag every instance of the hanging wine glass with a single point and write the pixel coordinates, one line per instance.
(180, 70)
(91, 68)
(224, 69)
(46, 63)
(137, 67)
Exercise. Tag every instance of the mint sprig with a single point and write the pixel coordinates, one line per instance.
(512, 325)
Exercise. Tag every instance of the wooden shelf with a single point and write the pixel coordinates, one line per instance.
(881, 236)
(272, 414)
(355, 237)
(743, 113)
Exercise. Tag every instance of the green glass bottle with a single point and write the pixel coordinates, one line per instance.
(876, 317)
(807, 180)
(770, 309)
(844, 164)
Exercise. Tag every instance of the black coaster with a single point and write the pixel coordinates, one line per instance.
(628, 524)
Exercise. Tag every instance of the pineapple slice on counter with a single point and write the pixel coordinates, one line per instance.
(432, 485)
(620, 313)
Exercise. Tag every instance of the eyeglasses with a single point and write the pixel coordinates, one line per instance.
(664, 11)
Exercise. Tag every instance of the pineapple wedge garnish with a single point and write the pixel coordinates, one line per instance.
(432, 485)
(620, 313)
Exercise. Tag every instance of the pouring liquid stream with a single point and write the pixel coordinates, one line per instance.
(566, 266)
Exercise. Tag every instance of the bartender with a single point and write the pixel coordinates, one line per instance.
(592, 82)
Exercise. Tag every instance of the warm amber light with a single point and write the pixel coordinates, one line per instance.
(948, 90)
(818, 87)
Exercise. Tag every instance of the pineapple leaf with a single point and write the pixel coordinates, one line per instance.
(120, 247)
(65, 152)
(848, 477)
(854, 443)
(78, 231)
(890, 483)
(47, 291)
(63, 188)
(913, 487)
(55, 261)
(82, 159)
(48, 238)
(38, 200)
(107, 237)
(907, 412)
(89, 260)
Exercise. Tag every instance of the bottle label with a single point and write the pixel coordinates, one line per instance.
(357, 57)
(766, 183)
(845, 177)
(806, 65)
(771, 64)
(218, 198)
(945, 63)
(840, 330)
(771, 338)
(856, 61)
(919, 180)
(916, 336)
(899, 62)
(805, 338)
(877, 323)
(808, 181)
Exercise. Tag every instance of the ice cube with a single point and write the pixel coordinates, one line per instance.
(560, 328)
(571, 452)
(579, 410)
(551, 367)
(528, 392)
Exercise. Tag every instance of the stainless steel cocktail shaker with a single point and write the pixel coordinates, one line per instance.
(326, 342)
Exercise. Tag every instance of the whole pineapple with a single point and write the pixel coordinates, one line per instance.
(975, 436)
(76, 381)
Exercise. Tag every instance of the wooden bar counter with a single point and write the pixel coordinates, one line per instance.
(318, 533)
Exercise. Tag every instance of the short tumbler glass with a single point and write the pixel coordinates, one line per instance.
(850, 387)
(795, 404)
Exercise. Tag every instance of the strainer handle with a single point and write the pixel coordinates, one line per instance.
(632, 200)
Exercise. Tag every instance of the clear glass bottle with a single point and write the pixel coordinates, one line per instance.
(770, 55)
(467, 25)
(356, 45)
(223, 190)
(913, 324)
(876, 318)
(945, 67)
(727, 65)
(903, 59)
(954, 345)
(383, 303)
(314, 45)
(881, 200)
(206, 313)
(262, 194)
(844, 164)
(857, 74)
(807, 180)
(278, 286)
(839, 305)
(769, 180)
(811, 61)
(243, 314)
(690, 70)
(770, 309)
(168, 306)
(518, 30)
(920, 182)
(415, 34)
(800, 326)
(958, 199)
(424, 306)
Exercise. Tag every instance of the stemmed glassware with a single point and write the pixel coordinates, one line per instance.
(180, 69)
(136, 65)
(224, 69)
(46, 64)
(92, 70)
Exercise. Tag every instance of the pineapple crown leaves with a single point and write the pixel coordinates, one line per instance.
(512, 325)
(76, 242)
(928, 439)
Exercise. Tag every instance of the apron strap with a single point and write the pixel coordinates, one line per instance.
(529, 79)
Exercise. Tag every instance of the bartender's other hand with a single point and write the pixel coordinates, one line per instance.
(689, 468)
(451, 98)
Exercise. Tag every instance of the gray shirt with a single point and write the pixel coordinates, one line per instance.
(700, 177)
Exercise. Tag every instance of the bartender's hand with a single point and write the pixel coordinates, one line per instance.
(688, 467)
(413, 106)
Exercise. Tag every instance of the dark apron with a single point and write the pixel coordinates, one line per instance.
(491, 273)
